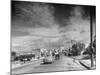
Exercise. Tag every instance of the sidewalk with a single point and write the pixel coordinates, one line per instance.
(87, 64)
(13, 66)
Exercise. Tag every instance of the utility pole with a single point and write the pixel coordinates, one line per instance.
(91, 38)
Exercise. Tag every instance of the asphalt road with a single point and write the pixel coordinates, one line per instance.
(63, 64)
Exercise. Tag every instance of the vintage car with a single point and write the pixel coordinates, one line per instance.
(48, 59)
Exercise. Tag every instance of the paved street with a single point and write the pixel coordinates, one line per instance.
(63, 64)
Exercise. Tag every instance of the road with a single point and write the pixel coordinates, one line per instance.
(63, 64)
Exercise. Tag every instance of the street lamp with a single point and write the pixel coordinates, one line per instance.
(91, 37)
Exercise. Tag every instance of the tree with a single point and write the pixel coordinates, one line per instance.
(88, 49)
(13, 53)
(77, 48)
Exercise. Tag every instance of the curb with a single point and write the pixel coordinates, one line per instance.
(86, 66)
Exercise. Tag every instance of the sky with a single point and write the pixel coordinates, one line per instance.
(49, 25)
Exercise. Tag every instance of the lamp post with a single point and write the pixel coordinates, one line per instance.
(91, 37)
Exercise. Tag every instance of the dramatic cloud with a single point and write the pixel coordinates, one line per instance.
(38, 25)
(33, 14)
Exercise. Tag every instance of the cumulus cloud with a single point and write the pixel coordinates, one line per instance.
(34, 26)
